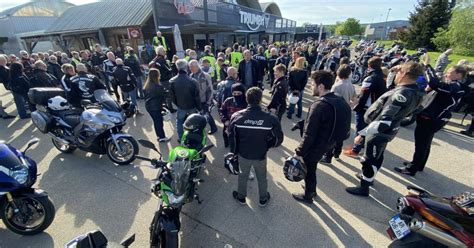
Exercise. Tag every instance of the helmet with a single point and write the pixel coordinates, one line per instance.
(58, 103)
(166, 114)
(195, 122)
(231, 163)
(294, 169)
(129, 109)
(293, 98)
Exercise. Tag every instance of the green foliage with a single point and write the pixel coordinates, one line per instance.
(441, 39)
(351, 26)
(429, 16)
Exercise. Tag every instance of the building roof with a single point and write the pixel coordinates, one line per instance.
(271, 8)
(38, 8)
(106, 14)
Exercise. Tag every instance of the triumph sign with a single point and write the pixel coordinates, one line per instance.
(254, 21)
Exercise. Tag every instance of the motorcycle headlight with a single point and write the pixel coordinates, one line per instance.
(173, 199)
(20, 174)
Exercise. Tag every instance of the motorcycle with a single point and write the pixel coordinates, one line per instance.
(97, 239)
(23, 209)
(426, 220)
(97, 128)
(357, 72)
(175, 185)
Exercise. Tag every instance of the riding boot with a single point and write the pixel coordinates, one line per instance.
(363, 190)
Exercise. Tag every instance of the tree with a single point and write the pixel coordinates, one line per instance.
(350, 27)
(460, 34)
(429, 16)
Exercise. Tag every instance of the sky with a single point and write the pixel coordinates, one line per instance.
(318, 11)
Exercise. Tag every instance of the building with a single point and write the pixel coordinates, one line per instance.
(310, 31)
(383, 30)
(201, 22)
(28, 18)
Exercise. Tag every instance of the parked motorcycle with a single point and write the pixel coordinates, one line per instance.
(425, 220)
(357, 72)
(97, 128)
(96, 239)
(176, 182)
(23, 209)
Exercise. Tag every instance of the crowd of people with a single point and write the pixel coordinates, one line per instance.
(232, 80)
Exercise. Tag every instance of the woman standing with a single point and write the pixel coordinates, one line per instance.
(297, 80)
(19, 85)
(155, 97)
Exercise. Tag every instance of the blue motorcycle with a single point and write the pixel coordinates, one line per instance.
(23, 209)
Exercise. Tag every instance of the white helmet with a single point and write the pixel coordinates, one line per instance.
(293, 98)
(166, 114)
(58, 103)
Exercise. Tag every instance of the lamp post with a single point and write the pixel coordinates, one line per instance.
(385, 34)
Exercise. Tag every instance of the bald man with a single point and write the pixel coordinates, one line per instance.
(224, 88)
(249, 73)
(83, 86)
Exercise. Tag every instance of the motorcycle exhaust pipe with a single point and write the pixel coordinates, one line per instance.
(58, 139)
(434, 233)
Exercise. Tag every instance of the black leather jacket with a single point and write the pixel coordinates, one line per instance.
(392, 107)
(252, 132)
(83, 86)
(185, 92)
(373, 87)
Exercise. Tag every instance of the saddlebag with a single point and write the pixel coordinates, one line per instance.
(40, 96)
(42, 121)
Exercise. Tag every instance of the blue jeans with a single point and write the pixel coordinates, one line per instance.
(360, 124)
(209, 118)
(291, 109)
(140, 92)
(180, 118)
(20, 102)
(132, 95)
(158, 123)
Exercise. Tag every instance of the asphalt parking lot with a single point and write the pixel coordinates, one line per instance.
(89, 192)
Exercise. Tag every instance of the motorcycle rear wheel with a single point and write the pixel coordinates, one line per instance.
(17, 224)
(125, 158)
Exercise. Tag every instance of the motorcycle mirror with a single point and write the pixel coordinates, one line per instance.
(31, 143)
(206, 148)
(127, 242)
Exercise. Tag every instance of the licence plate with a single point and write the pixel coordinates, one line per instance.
(398, 227)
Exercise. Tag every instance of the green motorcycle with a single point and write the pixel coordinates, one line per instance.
(176, 183)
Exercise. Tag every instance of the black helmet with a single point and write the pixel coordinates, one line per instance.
(129, 109)
(195, 122)
(231, 163)
(294, 169)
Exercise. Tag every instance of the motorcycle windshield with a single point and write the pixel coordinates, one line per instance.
(103, 97)
(8, 159)
(180, 171)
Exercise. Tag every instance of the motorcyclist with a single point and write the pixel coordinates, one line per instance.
(231, 105)
(384, 118)
(83, 86)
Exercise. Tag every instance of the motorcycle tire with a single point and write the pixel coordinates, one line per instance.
(355, 78)
(407, 121)
(63, 148)
(111, 150)
(49, 213)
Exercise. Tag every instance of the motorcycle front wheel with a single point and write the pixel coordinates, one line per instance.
(33, 217)
(355, 78)
(159, 238)
(129, 147)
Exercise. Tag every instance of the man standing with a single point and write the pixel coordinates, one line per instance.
(159, 40)
(41, 78)
(441, 100)
(384, 118)
(134, 64)
(328, 121)
(5, 80)
(184, 92)
(27, 63)
(83, 86)
(108, 67)
(443, 62)
(262, 62)
(252, 132)
(235, 56)
(284, 58)
(125, 78)
(248, 71)
(277, 103)
(205, 92)
(271, 64)
(160, 63)
(373, 87)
